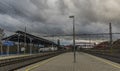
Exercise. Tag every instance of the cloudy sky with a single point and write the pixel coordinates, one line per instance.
(51, 16)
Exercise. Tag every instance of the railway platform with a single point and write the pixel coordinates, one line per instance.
(64, 62)
(2, 57)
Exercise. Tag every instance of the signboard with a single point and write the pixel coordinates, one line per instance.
(8, 43)
(22, 49)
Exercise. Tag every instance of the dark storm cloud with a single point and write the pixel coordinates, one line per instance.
(51, 16)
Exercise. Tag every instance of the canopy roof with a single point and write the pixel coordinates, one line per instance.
(22, 36)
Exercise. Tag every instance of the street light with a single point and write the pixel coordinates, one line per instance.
(73, 17)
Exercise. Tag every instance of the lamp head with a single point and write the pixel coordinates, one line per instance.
(71, 16)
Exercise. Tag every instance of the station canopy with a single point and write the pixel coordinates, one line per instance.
(21, 36)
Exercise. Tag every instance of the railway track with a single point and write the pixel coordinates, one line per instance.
(108, 56)
(15, 63)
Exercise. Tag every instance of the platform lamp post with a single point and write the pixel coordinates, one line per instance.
(30, 45)
(1, 48)
(8, 48)
(18, 49)
(110, 33)
(2, 34)
(25, 41)
(73, 17)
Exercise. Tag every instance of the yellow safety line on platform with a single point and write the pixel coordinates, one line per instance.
(106, 61)
(40, 64)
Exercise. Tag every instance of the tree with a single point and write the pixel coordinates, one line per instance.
(1, 34)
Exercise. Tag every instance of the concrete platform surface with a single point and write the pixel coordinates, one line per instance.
(13, 56)
(64, 62)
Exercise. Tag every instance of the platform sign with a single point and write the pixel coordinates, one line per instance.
(22, 49)
(8, 43)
